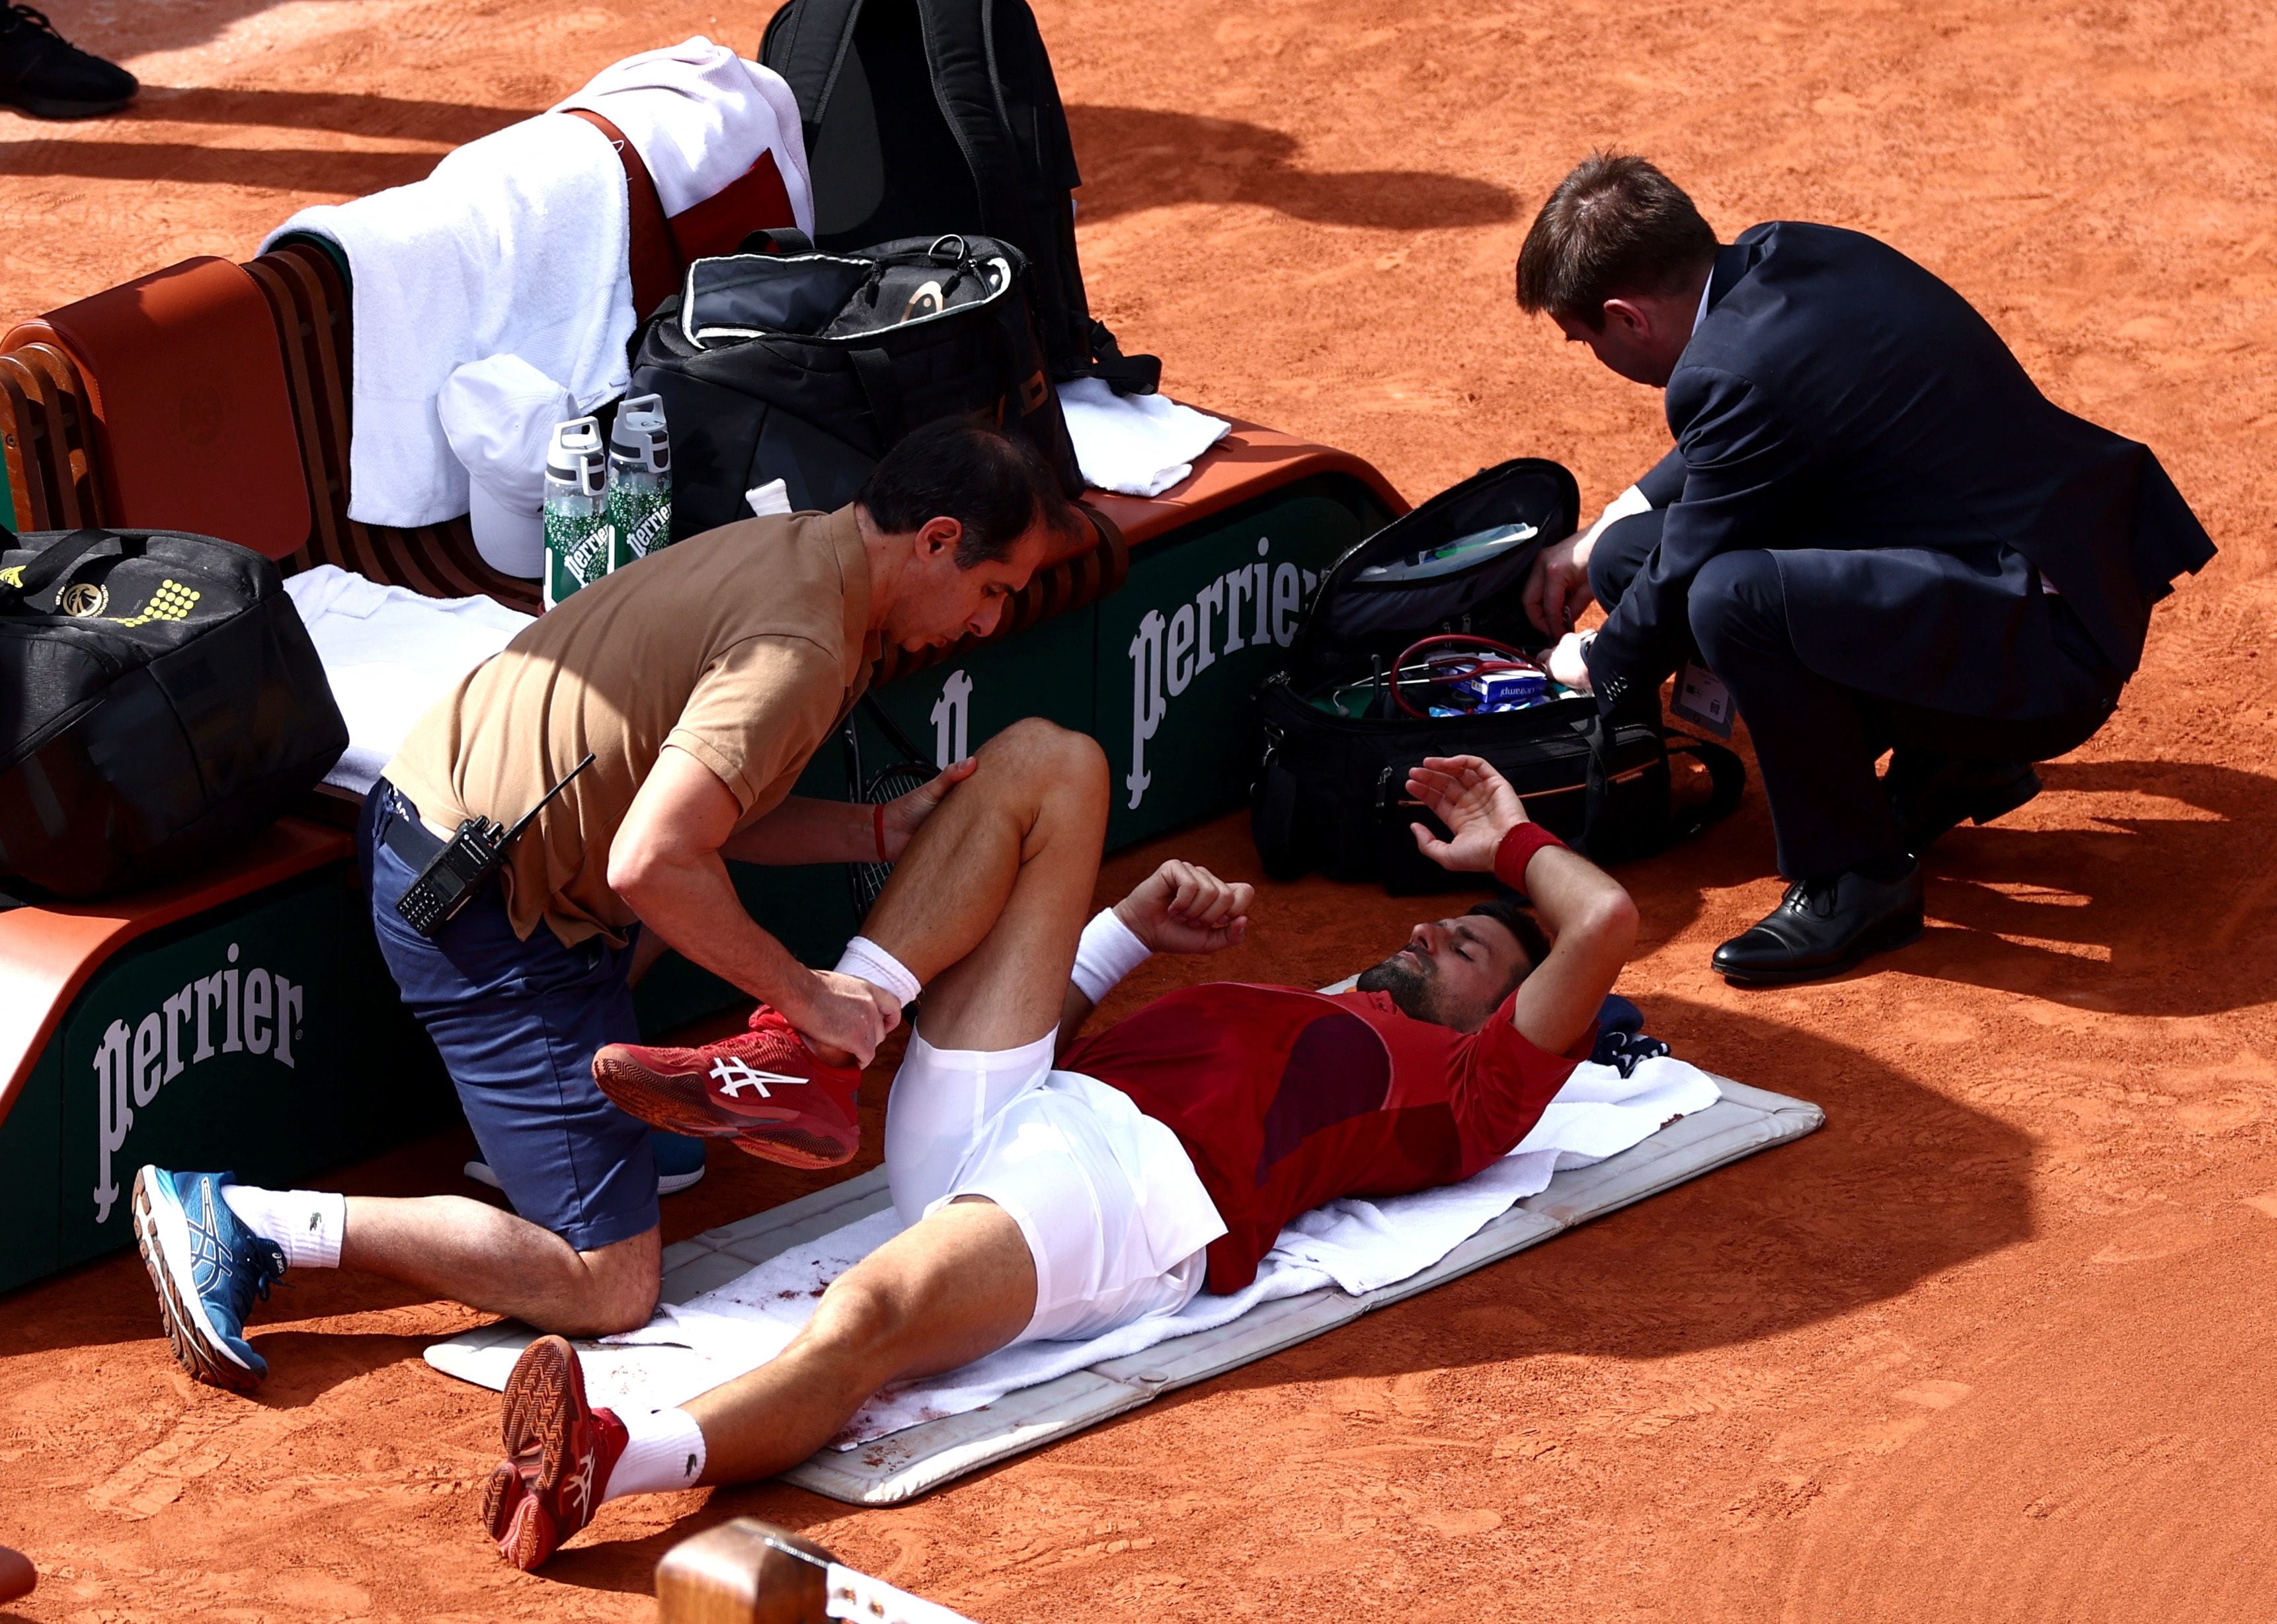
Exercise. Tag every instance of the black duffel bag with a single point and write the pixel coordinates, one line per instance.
(159, 701)
(808, 368)
(1331, 794)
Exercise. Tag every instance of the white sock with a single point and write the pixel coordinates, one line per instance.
(864, 958)
(1107, 952)
(307, 1223)
(665, 1452)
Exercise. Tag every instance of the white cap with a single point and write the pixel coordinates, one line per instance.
(498, 414)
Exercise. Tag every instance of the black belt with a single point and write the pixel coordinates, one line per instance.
(405, 835)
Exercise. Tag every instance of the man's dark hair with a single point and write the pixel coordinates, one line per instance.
(1616, 226)
(993, 484)
(1515, 917)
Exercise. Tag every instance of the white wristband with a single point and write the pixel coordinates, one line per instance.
(1108, 953)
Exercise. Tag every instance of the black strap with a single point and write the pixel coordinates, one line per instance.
(776, 239)
(873, 370)
(54, 560)
(1727, 777)
(1125, 375)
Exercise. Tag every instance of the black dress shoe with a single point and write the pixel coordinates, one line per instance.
(1823, 927)
(1933, 795)
(49, 77)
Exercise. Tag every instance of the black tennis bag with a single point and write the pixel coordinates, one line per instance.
(808, 368)
(159, 701)
(930, 116)
(1331, 793)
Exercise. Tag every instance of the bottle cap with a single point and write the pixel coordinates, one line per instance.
(639, 435)
(574, 456)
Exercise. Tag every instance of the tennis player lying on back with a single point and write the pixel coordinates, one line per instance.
(1062, 1197)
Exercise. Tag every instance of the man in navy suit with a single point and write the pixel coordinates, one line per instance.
(1873, 529)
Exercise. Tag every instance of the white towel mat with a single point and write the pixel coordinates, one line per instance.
(714, 1326)
(1138, 444)
(514, 246)
(389, 654)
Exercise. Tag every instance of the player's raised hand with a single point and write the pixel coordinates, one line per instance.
(1182, 907)
(1475, 802)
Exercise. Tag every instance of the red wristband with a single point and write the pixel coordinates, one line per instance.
(1517, 850)
(880, 823)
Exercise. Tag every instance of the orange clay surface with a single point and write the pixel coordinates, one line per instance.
(1994, 1345)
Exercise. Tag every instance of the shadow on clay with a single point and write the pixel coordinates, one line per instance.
(2157, 900)
(1137, 157)
(287, 170)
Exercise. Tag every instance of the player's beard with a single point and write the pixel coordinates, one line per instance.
(1403, 978)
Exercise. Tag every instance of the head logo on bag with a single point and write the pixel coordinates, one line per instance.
(83, 600)
(172, 601)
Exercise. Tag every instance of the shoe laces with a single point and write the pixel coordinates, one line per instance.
(15, 18)
(260, 1266)
(1810, 896)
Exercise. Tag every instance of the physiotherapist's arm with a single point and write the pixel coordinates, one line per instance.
(1741, 466)
(807, 830)
(666, 864)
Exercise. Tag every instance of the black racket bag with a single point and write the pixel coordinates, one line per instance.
(160, 700)
(1330, 795)
(808, 368)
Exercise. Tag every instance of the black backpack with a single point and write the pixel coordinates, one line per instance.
(807, 367)
(931, 115)
(1330, 792)
(159, 701)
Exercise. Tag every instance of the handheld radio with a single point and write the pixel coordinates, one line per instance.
(469, 857)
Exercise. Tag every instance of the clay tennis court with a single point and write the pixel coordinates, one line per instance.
(1993, 1345)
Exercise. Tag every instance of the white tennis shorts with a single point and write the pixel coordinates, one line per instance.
(1107, 1199)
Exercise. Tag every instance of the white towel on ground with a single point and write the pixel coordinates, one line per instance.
(1358, 1245)
(1138, 444)
(700, 117)
(514, 246)
(390, 654)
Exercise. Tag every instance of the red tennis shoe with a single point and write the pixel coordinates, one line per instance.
(559, 1451)
(764, 1089)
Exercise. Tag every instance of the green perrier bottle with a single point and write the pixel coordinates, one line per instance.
(576, 509)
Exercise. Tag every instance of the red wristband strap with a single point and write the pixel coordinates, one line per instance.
(880, 823)
(1517, 850)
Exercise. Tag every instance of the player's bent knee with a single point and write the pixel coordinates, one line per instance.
(859, 1320)
(621, 1287)
(1049, 753)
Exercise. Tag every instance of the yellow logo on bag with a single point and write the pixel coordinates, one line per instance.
(83, 600)
(170, 601)
(14, 574)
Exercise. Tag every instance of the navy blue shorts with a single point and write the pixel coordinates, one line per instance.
(517, 1023)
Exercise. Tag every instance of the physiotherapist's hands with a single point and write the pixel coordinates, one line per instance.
(1182, 907)
(905, 813)
(1475, 802)
(1566, 664)
(1558, 589)
(840, 1015)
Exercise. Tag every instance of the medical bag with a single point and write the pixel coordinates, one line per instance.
(809, 367)
(1416, 643)
(160, 700)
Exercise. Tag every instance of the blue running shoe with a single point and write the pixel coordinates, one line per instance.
(208, 1269)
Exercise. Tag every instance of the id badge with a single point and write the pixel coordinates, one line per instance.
(1703, 699)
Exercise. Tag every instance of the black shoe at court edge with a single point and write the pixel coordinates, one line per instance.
(46, 76)
(1821, 928)
(1933, 795)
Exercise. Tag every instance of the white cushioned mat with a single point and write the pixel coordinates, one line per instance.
(900, 1464)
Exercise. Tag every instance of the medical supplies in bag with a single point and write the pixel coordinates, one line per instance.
(1416, 643)
(160, 700)
(808, 368)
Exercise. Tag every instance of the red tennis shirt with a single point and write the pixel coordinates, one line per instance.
(1284, 1099)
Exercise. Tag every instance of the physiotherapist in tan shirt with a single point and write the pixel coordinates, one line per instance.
(701, 680)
